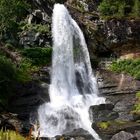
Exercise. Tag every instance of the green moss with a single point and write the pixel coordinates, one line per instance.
(136, 108)
(115, 126)
(138, 94)
(103, 125)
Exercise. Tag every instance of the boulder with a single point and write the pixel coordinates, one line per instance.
(137, 135)
(102, 112)
(78, 134)
(123, 136)
(11, 122)
(108, 129)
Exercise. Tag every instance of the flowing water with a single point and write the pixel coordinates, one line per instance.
(73, 86)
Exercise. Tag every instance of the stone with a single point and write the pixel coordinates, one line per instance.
(102, 112)
(78, 134)
(123, 136)
(11, 122)
(137, 135)
(106, 130)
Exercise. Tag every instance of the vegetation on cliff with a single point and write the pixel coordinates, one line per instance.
(128, 66)
(119, 8)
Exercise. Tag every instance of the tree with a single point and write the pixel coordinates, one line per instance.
(136, 8)
(11, 12)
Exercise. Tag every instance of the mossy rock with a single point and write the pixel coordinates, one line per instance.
(107, 129)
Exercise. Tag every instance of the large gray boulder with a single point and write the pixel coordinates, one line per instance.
(123, 136)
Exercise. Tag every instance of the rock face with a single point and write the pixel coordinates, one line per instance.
(102, 112)
(78, 134)
(107, 130)
(119, 90)
(25, 104)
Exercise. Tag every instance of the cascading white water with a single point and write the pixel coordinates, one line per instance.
(73, 86)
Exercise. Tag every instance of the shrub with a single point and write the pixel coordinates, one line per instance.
(10, 13)
(43, 29)
(38, 56)
(119, 8)
(10, 75)
(130, 66)
(136, 9)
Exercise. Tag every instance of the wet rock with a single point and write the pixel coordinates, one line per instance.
(2, 108)
(11, 122)
(119, 90)
(78, 134)
(107, 129)
(123, 136)
(111, 83)
(37, 16)
(137, 135)
(32, 38)
(102, 112)
(28, 97)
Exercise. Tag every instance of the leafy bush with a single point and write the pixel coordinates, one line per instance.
(130, 66)
(43, 29)
(119, 8)
(8, 75)
(136, 9)
(11, 12)
(38, 56)
(136, 108)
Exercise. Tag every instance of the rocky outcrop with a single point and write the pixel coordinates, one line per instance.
(123, 136)
(78, 134)
(107, 130)
(104, 37)
(102, 112)
(119, 90)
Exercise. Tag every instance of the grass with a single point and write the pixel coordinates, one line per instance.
(129, 66)
(136, 108)
(10, 135)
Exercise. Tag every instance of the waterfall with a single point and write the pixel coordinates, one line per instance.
(73, 87)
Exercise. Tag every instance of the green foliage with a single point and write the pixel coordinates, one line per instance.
(10, 75)
(136, 108)
(130, 66)
(43, 29)
(38, 56)
(103, 125)
(136, 9)
(10, 135)
(138, 94)
(119, 8)
(11, 11)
